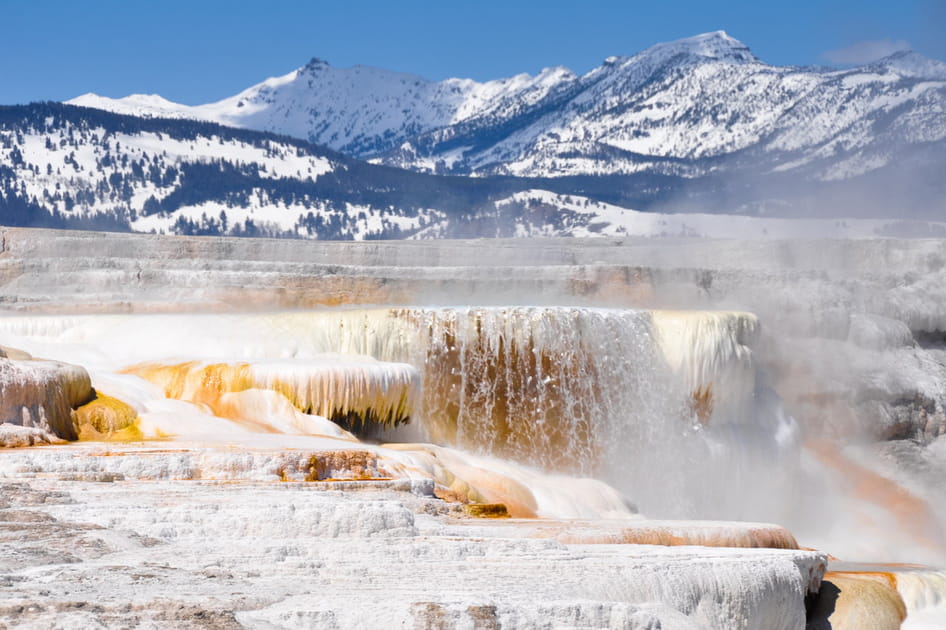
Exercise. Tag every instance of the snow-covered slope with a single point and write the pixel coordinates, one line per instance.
(687, 107)
(66, 166)
(359, 110)
(540, 213)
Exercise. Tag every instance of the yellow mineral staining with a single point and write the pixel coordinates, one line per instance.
(360, 393)
(460, 481)
(107, 418)
(702, 403)
(858, 601)
(345, 465)
(673, 534)
(503, 381)
(195, 382)
(486, 510)
(334, 465)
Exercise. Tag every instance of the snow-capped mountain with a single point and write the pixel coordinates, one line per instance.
(698, 126)
(68, 166)
(691, 107)
(359, 111)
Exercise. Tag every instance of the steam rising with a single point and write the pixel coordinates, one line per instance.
(669, 407)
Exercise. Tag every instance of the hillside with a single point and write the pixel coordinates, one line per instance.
(692, 107)
(75, 167)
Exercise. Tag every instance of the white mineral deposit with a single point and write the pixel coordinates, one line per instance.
(561, 433)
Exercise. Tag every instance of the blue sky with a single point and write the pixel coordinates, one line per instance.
(199, 51)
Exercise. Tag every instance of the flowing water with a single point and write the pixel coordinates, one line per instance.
(669, 407)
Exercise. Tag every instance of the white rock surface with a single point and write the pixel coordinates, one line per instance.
(176, 554)
(41, 395)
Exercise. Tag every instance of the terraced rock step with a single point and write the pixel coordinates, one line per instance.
(179, 554)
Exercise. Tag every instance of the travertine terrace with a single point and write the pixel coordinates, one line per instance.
(296, 434)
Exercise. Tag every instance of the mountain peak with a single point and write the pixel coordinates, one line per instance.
(134, 105)
(717, 45)
(316, 62)
(912, 64)
(676, 109)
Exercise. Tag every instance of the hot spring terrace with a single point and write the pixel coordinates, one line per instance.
(469, 433)
(69, 271)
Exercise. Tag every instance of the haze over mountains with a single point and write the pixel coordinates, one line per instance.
(696, 125)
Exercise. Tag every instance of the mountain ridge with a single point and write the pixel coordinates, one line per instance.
(698, 127)
(703, 97)
(73, 167)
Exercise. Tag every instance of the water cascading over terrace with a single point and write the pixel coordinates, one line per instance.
(558, 387)
(603, 392)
